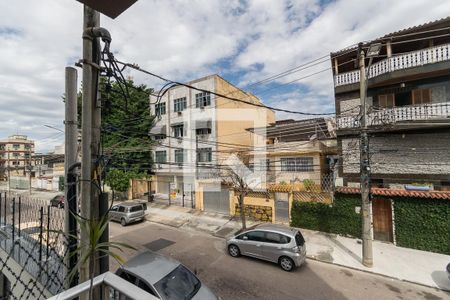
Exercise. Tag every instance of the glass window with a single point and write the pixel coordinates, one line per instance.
(143, 285)
(256, 236)
(204, 155)
(202, 99)
(202, 131)
(179, 104)
(114, 208)
(128, 277)
(179, 156)
(121, 209)
(299, 239)
(297, 164)
(160, 108)
(160, 156)
(178, 130)
(180, 284)
(136, 208)
(158, 137)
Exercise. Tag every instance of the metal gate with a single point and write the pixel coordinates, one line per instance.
(281, 208)
(217, 201)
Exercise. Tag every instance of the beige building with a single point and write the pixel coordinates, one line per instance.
(195, 131)
(15, 155)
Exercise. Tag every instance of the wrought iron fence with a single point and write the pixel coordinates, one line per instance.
(32, 247)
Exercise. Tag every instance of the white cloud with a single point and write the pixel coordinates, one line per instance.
(184, 40)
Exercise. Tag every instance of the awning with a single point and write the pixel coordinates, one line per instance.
(159, 130)
(202, 124)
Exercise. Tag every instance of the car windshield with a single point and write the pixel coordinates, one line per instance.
(299, 239)
(179, 284)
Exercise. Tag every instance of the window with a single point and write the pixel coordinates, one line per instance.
(179, 104)
(114, 208)
(297, 164)
(299, 240)
(179, 156)
(386, 101)
(160, 108)
(204, 155)
(16, 154)
(121, 209)
(136, 208)
(143, 285)
(202, 131)
(421, 96)
(178, 131)
(276, 238)
(128, 277)
(159, 137)
(180, 284)
(16, 146)
(160, 157)
(264, 165)
(257, 236)
(202, 99)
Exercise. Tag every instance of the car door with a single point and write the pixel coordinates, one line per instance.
(273, 246)
(251, 242)
(113, 212)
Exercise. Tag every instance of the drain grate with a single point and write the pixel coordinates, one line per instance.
(158, 244)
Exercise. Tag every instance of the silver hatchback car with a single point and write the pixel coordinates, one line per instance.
(127, 212)
(275, 243)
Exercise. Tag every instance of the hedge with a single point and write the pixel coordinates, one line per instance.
(422, 224)
(339, 218)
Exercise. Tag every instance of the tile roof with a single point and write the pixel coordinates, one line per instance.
(400, 193)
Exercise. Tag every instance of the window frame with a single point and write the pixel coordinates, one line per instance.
(178, 131)
(160, 108)
(179, 104)
(177, 156)
(202, 99)
(294, 164)
(162, 153)
(204, 154)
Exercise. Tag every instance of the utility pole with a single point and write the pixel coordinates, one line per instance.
(89, 195)
(367, 255)
(29, 170)
(9, 176)
(70, 153)
(196, 158)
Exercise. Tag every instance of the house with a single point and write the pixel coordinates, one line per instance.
(408, 101)
(195, 131)
(15, 156)
(48, 170)
(297, 150)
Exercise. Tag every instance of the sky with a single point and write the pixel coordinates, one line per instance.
(243, 41)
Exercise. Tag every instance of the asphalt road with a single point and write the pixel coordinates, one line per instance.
(247, 278)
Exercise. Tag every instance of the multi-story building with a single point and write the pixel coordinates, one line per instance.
(197, 130)
(15, 155)
(297, 151)
(408, 113)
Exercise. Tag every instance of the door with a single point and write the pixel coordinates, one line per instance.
(271, 250)
(251, 242)
(113, 212)
(217, 201)
(382, 220)
(281, 208)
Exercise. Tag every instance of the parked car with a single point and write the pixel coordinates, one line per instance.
(57, 201)
(448, 270)
(127, 212)
(164, 277)
(275, 243)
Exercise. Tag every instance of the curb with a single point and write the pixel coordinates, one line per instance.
(376, 273)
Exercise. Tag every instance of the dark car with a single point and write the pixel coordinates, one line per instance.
(57, 201)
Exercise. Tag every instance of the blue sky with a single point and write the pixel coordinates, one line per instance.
(243, 41)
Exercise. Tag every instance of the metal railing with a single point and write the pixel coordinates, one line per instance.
(395, 115)
(398, 62)
(112, 287)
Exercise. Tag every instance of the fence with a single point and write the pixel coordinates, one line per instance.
(32, 247)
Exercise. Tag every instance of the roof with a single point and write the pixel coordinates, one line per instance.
(277, 228)
(408, 30)
(150, 266)
(129, 203)
(398, 193)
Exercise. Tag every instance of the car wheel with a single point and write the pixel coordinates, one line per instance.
(286, 263)
(123, 222)
(234, 251)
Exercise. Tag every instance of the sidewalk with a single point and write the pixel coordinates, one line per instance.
(420, 267)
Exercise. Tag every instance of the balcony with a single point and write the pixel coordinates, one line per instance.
(398, 115)
(398, 62)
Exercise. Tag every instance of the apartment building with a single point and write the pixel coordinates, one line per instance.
(408, 108)
(196, 131)
(15, 155)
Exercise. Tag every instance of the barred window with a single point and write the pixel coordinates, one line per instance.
(202, 99)
(297, 164)
(179, 156)
(179, 104)
(204, 155)
(160, 156)
(160, 108)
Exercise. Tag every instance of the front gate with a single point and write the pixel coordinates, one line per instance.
(217, 201)
(282, 207)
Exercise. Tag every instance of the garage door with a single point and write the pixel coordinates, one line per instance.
(217, 201)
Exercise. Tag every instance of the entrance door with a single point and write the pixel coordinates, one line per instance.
(382, 220)
(281, 208)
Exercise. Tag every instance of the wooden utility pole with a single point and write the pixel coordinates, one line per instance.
(89, 137)
(367, 255)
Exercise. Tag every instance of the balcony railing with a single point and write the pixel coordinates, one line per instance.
(395, 115)
(398, 62)
(112, 287)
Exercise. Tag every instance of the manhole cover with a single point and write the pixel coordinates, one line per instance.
(158, 244)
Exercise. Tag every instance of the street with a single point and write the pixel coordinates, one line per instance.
(247, 278)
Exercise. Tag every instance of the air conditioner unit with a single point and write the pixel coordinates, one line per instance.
(180, 113)
(180, 166)
(159, 166)
(179, 140)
